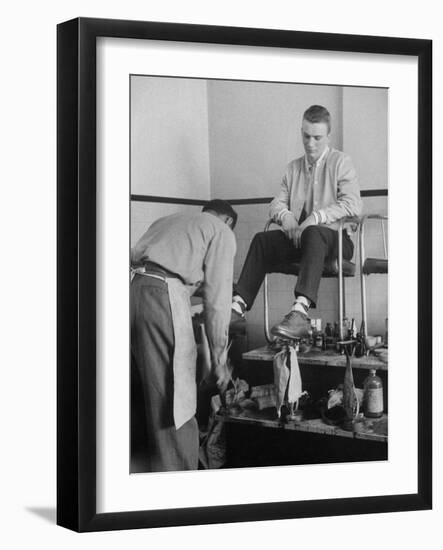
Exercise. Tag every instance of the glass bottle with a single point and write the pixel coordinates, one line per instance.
(353, 330)
(328, 330)
(336, 331)
(313, 334)
(346, 326)
(373, 395)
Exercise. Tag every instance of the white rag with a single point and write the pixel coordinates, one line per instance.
(287, 377)
(185, 349)
(185, 353)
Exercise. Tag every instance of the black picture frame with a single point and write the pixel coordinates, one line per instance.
(76, 279)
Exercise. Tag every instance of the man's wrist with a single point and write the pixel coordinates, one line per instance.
(320, 215)
(283, 214)
(310, 220)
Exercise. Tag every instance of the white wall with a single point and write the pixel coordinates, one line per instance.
(365, 135)
(365, 138)
(169, 137)
(204, 139)
(254, 131)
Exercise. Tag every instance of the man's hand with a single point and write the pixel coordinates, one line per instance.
(223, 374)
(296, 239)
(289, 225)
(310, 220)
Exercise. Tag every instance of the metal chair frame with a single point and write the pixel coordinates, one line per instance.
(363, 259)
(354, 222)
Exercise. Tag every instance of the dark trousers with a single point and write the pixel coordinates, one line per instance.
(271, 248)
(152, 347)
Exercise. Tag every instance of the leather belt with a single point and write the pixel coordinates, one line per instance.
(152, 268)
(154, 276)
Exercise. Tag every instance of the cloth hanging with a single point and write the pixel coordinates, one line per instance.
(287, 378)
(185, 353)
(185, 349)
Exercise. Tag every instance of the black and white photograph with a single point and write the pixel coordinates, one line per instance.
(259, 322)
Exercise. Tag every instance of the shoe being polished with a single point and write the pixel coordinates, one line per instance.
(238, 319)
(294, 325)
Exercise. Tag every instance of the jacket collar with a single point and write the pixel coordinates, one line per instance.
(317, 163)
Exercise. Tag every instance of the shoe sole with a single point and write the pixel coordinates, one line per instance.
(284, 334)
(242, 320)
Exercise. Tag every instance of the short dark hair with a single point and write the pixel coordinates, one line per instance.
(221, 207)
(318, 113)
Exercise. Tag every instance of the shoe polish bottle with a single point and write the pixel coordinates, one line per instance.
(373, 395)
(313, 334)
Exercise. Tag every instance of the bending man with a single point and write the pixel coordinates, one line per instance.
(177, 255)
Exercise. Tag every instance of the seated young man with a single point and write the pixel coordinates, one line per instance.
(317, 190)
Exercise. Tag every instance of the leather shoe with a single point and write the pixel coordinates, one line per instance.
(294, 325)
(237, 323)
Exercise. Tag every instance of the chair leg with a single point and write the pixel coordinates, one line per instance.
(363, 330)
(266, 309)
(340, 283)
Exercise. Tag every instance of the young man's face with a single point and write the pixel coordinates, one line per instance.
(315, 139)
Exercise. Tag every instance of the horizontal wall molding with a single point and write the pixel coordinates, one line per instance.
(374, 193)
(172, 200)
(258, 200)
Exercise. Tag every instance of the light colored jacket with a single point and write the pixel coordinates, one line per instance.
(199, 248)
(329, 188)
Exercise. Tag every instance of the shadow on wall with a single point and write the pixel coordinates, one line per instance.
(48, 514)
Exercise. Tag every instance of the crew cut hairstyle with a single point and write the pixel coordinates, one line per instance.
(221, 207)
(318, 113)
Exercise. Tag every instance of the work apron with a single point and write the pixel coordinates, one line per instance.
(185, 350)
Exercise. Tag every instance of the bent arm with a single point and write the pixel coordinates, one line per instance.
(217, 294)
(279, 206)
(348, 201)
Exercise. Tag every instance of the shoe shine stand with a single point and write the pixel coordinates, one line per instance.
(339, 269)
(286, 358)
